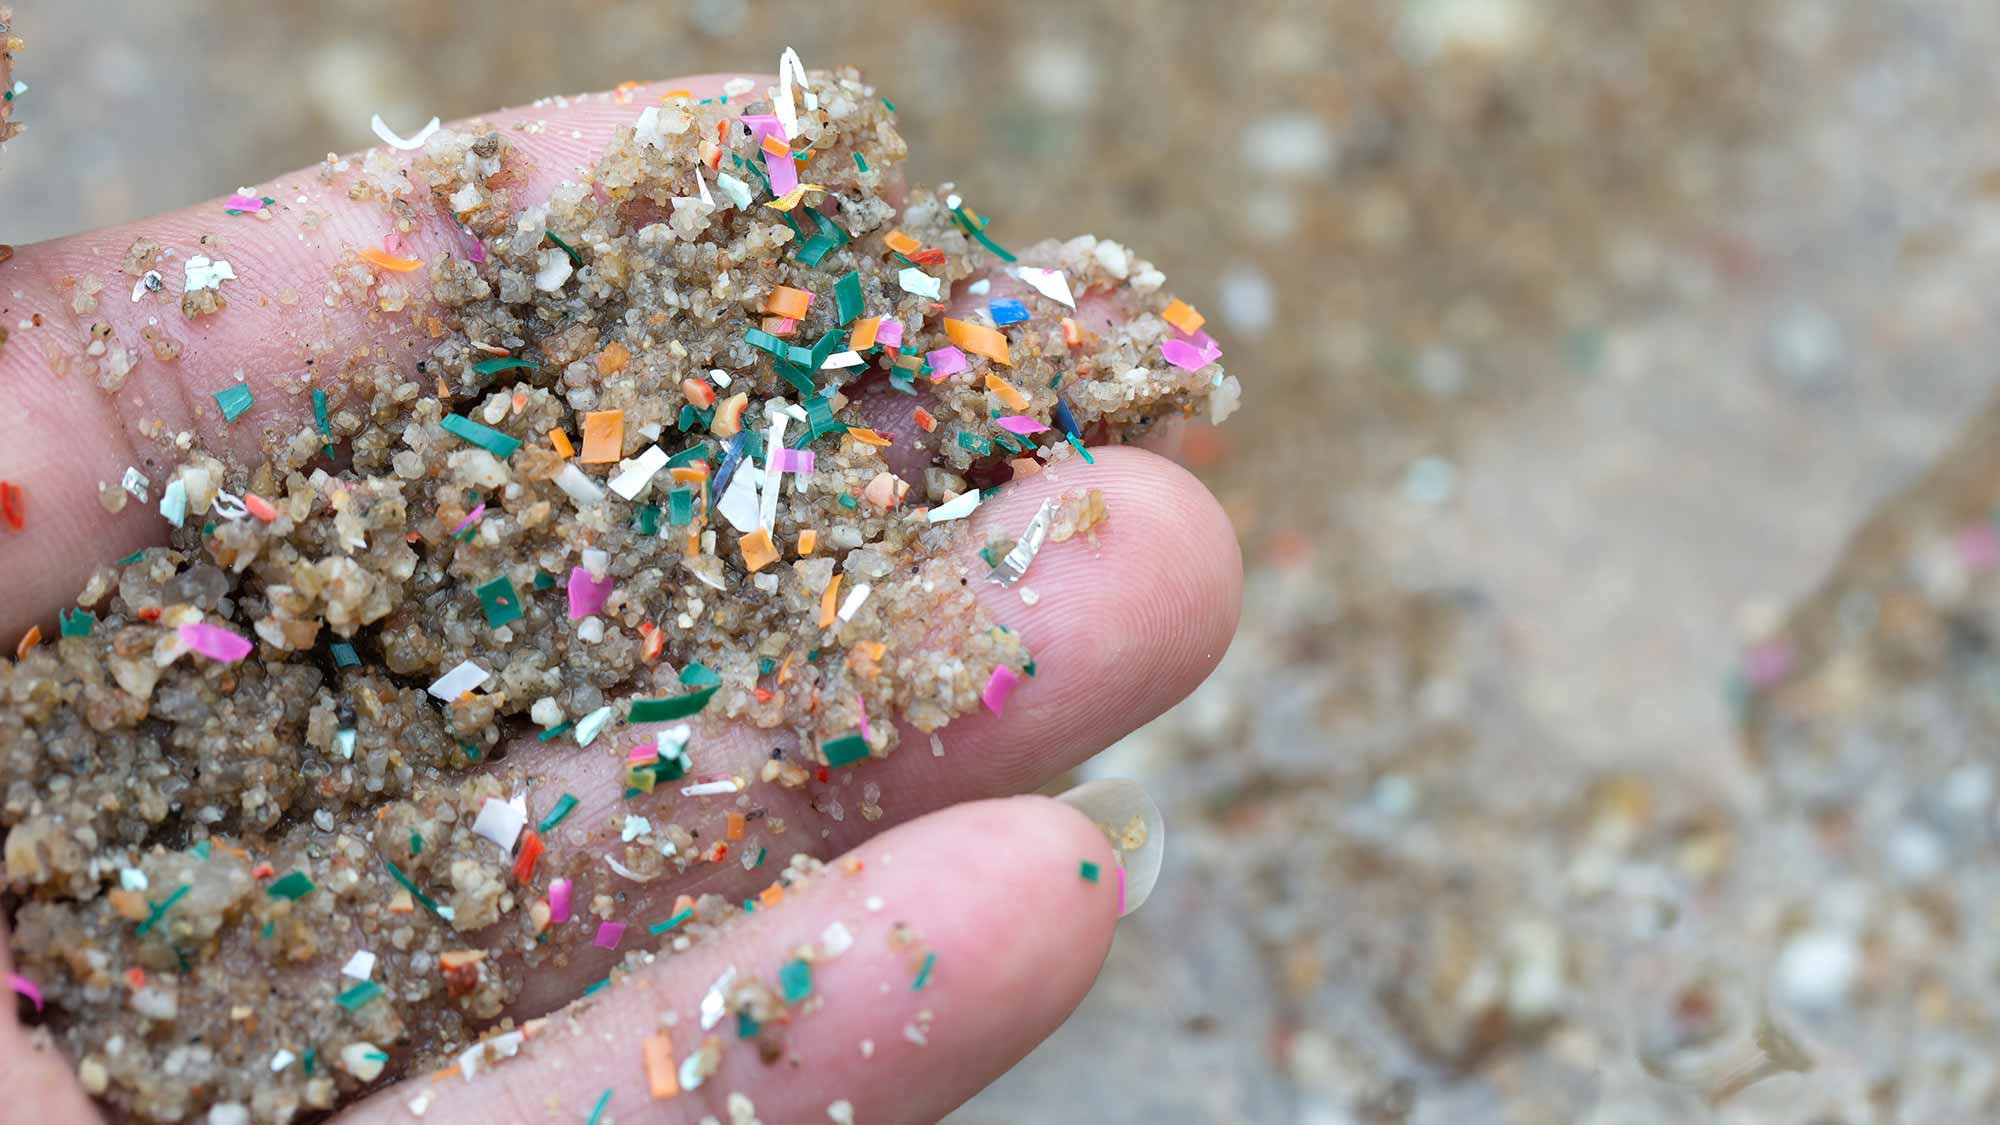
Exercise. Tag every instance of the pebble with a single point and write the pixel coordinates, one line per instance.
(1816, 969)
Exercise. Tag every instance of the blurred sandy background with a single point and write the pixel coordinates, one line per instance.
(1578, 337)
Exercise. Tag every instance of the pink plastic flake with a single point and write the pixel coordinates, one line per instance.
(609, 934)
(250, 203)
(784, 173)
(863, 705)
(587, 595)
(1190, 352)
(999, 686)
(944, 361)
(792, 461)
(25, 987)
(889, 333)
(559, 900)
(1019, 424)
(471, 518)
(214, 642)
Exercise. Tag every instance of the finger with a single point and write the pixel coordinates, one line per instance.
(1121, 629)
(39, 1084)
(289, 326)
(991, 892)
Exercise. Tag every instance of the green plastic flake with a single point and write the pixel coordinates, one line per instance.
(699, 675)
(849, 502)
(1010, 443)
(500, 602)
(1087, 870)
(765, 342)
(680, 506)
(924, 974)
(847, 296)
(544, 580)
(823, 241)
(672, 707)
(1077, 445)
(797, 376)
(795, 977)
(765, 665)
(201, 850)
(696, 452)
(575, 259)
(75, 622)
(974, 443)
(311, 1061)
(691, 418)
(888, 105)
(344, 655)
(501, 363)
(416, 844)
(360, 994)
(159, 909)
(319, 418)
(649, 519)
(564, 805)
(749, 906)
(845, 750)
(554, 731)
(828, 344)
(267, 931)
(491, 440)
(396, 873)
(294, 887)
(760, 858)
(598, 987)
(1029, 668)
(812, 655)
(233, 401)
(860, 163)
(746, 1028)
(978, 231)
(132, 558)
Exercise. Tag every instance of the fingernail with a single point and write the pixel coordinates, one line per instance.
(1132, 822)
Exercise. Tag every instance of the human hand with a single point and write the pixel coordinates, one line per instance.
(989, 882)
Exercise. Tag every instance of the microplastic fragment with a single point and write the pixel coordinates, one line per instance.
(485, 437)
(738, 503)
(845, 750)
(502, 363)
(1053, 284)
(609, 934)
(292, 887)
(587, 595)
(737, 191)
(563, 806)
(344, 655)
(851, 605)
(841, 360)
(795, 978)
(135, 483)
(639, 472)
(559, 891)
(361, 966)
(672, 707)
(946, 361)
(500, 602)
(214, 642)
(914, 280)
(360, 994)
(836, 939)
(714, 1003)
(1183, 317)
(501, 822)
(75, 622)
(1182, 355)
(603, 435)
(597, 1111)
(1020, 424)
(27, 988)
(767, 512)
(924, 974)
(657, 1050)
(588, 727)
(233, 401)
(999, 686)
(202, 273)
(1016, 563)
(792, 461)
(662, 927)
(407, 144)
(458, 681)
(711, 788)
(1087, 871)
(282, 1059)
(889, 334)
(580, 488)
(1007, 312)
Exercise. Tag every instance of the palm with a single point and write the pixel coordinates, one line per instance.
(1121, 632)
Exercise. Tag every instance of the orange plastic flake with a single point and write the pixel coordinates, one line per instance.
(672, 94)
(662, 1077)
(682, 902)
(735, 829)
(1015, 400)
(901, 243)
(788, 302)
(770, 896)
(728, 419)
(808, 542)
(923, 419)
(448, 1072)
(656, 640)
(1181, 315)
(785, 669)
(699, 393)
(434, 326)
(689, 474)
(978, 339)
(869, 437)
(1025, 466)
(776, 147)
(603, 436)
(560, 441)
(384, 260)
(531, 850)
(873, 650)
(33, 637)
(826, 607)
(1072, 332)
(863, 336)
(763, 695)
(12, 508)
(136, 977)
(758, 552)
(885, 490)
(258, 506)
(613, 358)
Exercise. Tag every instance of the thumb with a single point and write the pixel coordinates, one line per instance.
(38, 1084)
(973, 934)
